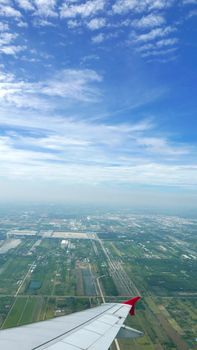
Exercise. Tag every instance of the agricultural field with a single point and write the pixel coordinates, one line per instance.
(151, 256)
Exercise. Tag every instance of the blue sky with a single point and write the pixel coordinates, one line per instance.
(98, 96)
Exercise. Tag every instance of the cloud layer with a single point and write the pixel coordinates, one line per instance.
(79, 150)
(79, 101)
(144, 21)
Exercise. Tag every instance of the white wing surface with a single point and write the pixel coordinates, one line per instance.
(92, 329)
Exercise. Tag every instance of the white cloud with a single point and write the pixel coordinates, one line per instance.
(63, 132)
(6, 77)
(159, 52)
(161, 146)
(3, 27)
(46, 8)
(42, 22)
(43, 8)
(70, 84)
(163, 59)
(6, 44)
(84, 152)
(81, 150)
(167, 42)
(141, 15)
(192, 13)
(86, 9)
(21, 24)
(124, 6)
(154, 34)
(12, 49)
(160, 4)
(151, 20)
(9, 11)
(72, 23)
(96, 23)
(97, 39)
(158, 44)
(88, 58)
(26, 5)
(6, 38)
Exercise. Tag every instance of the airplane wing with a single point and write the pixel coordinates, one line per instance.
(92, 329)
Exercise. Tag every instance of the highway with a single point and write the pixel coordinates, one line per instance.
(122, 281)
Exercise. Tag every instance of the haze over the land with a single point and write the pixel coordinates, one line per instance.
(98, 101)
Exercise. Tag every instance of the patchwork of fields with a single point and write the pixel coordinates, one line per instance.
(40, 279)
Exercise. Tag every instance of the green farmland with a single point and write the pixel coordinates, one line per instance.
(40, 279)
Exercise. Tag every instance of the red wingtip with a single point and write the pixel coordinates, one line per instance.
(132, 303)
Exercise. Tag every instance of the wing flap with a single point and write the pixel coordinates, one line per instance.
(98, 334)
(98, 327)
(129, 333)
(105, 341)
(82, 339)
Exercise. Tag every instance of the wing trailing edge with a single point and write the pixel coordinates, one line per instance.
(129, 333)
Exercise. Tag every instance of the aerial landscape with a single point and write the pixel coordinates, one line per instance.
(98, 174)
(54, 262)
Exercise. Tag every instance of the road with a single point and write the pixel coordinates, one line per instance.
(18, 291)
(103, 300)
(100, 289)
(24, 279)
(122, 281)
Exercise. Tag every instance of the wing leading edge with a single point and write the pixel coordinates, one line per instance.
(92, 329)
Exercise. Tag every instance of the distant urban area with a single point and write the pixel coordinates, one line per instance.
(54, 262)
